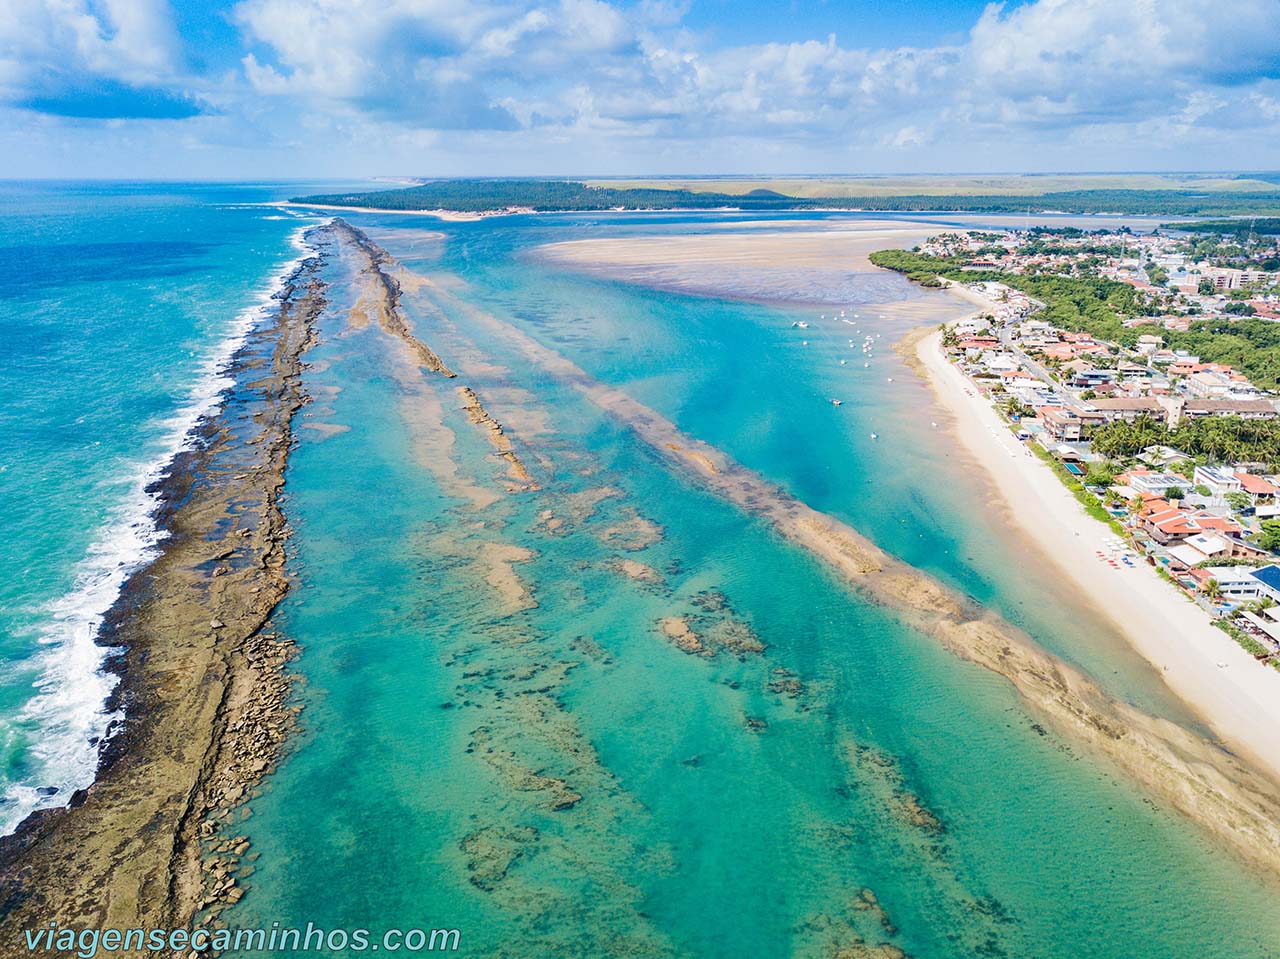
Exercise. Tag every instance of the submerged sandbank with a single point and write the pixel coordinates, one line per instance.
(1210, 785)
(1240, 700)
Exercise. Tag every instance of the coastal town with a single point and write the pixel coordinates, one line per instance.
(1177, 450)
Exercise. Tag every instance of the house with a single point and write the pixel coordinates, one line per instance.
(1219, 479)
(1145, 481)
(1161, 456)
(1268, 578)
(1200, 548)
(1091, 378)
(1067, 425)
(1128, 408)
(1259, 490)
(1235, 584)
(1165, 524)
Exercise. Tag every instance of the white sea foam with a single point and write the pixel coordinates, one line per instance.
(68, 715)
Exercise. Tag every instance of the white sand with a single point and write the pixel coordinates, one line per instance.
(1240, 701)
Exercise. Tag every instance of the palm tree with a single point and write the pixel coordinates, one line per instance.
(1212, 589)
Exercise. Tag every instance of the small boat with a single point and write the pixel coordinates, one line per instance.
(804, 342)
(875, 436)
(842, 362)
(865, 365)
(803, 325)
(891, 379)
(835, 402)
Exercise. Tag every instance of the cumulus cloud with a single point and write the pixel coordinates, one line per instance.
(615, 74)
(113, 58)
(587, 64)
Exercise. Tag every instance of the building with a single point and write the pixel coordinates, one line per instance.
(1127, 408)
(1259, 490)
(1207, 384)
(1268, 578)
(1066, 425)
(1153, 484)
(1218, 479)
(1236, 584)
(1247, 409)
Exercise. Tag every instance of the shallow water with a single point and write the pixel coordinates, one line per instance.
(500, 737)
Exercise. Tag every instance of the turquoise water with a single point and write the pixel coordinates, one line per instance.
(118, 304)
(730, 805)
(498, 735)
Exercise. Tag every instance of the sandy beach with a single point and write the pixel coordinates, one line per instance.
(450, 216)
(1239, 700)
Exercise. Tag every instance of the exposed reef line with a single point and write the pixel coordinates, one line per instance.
(390, 316)
(497, 438)
(1228, 797)
(203, 684)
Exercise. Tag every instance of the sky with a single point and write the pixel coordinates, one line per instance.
(246, 89)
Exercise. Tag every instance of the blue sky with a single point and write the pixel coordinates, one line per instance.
(319, 88)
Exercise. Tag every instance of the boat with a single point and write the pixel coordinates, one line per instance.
(875, 436)
(803, 325)
(835, 402)
(842, 362)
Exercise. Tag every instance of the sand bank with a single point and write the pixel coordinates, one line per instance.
(451, 216)
(821, 265)
(1240, 700)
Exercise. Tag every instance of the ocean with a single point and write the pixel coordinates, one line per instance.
(120, 305)
(500, 732)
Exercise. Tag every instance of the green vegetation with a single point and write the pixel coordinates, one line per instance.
(1246, 642)
(1239, 501)
(1223, 439)
(1082, 304)
(1086, 499)
(1259, 226)
(1097, 306)
(470, 196)
(1269, 538)
(1240, 309)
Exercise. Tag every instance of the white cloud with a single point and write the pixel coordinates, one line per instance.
(613, 79)
(128, 40)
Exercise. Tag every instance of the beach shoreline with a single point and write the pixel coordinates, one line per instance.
(1239, 702)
